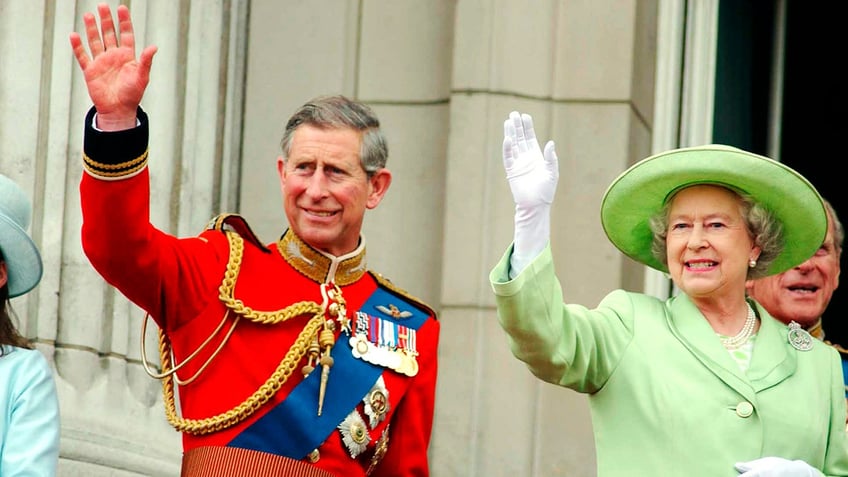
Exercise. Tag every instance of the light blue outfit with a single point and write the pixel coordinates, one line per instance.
(29, 431)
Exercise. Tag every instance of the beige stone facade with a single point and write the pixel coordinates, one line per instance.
(599, 78)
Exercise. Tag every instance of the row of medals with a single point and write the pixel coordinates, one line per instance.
(401, 359)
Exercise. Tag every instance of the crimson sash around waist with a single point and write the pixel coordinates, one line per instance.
(235, 462)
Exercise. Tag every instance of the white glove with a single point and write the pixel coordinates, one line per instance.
(532, 179)
(775, 467)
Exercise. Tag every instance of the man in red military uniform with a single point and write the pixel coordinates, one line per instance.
(289, 358)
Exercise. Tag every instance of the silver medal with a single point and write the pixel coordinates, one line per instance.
(799, 338)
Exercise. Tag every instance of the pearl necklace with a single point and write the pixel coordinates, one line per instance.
(734, 342)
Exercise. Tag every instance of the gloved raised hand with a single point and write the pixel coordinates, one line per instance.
(775, 467)
(532, 177)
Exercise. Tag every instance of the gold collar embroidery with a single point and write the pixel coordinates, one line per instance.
(319, 266)
(816, 330)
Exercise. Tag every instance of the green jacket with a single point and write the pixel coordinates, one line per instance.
(665, 396)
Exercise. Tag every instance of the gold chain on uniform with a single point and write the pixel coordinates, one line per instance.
(274, 382)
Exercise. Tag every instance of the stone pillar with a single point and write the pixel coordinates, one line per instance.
(113, 422)
(442, 75)
(584, 70)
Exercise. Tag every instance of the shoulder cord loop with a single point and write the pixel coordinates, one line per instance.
(274, 382)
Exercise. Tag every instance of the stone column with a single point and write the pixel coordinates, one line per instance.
(113, 421)
(584, 70)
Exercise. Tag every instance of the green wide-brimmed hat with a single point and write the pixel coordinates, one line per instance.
(643, 189)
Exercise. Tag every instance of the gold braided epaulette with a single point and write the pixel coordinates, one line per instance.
(386, 283)
(838, 347)
(235, 223)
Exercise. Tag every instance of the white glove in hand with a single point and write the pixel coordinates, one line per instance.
(532, 178)
(775, 467)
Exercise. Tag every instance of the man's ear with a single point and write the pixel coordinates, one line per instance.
(379, 183)
(281, 167)
(4, 276)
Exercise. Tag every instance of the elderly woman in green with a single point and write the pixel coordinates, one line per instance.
(704, 383)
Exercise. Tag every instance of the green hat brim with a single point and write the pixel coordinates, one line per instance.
(643, 189)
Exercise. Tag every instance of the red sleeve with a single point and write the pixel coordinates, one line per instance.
(169, 277)
(412, 424)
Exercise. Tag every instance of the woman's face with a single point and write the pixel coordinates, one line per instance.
(708, 243)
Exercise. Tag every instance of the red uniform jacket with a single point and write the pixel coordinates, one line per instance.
(249, 313)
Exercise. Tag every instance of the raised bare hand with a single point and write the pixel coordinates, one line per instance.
(116, 80)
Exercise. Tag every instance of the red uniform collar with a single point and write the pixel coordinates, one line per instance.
(319, 266)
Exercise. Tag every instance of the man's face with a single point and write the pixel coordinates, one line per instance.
(801, 294)
(326, 190)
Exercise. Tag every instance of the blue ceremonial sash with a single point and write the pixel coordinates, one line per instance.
(293, 428)
(844, 372)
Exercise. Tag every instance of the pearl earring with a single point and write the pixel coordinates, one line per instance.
(752, 263)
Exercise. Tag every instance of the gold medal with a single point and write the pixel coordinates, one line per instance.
(376, 403)
(359, 346)
(380, 449)
(411, 368)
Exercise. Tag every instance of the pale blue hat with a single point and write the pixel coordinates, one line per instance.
(23, 262)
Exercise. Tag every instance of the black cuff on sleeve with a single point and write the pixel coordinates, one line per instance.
(115, 154)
